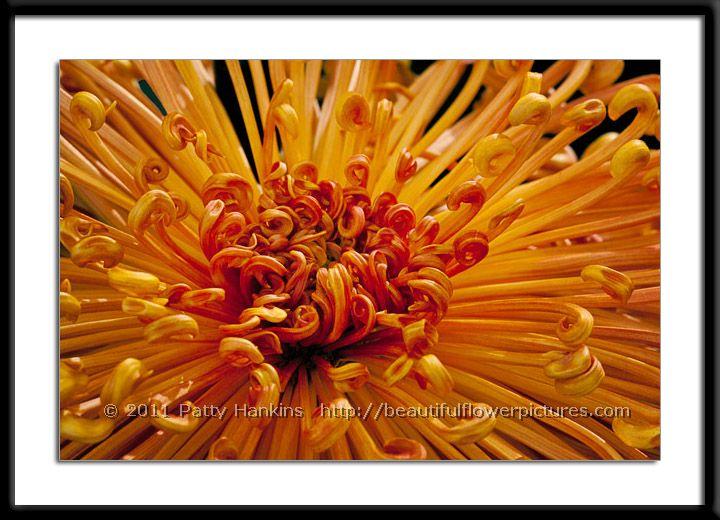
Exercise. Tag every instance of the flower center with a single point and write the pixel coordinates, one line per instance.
(315, 267)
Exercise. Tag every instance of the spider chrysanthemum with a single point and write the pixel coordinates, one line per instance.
(394, 266)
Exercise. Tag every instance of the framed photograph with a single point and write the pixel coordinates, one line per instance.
(424, 261)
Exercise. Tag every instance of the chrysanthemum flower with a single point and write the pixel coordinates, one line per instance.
(393, 267)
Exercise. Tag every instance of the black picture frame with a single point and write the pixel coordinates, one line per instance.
(706, 9)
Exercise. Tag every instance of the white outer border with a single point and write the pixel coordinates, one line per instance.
(41, 42)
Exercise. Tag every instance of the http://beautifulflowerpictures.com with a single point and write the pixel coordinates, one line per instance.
(369, 262)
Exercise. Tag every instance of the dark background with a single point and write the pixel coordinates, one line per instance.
(632, 69)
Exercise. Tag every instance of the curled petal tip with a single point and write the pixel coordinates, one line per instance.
(531, 109)
(349, 377)
(406, 167)
(74, 228)
(569, 365)
(264, 392)
(469, 192)
(419, 336)
(97, 249)
(353, 112)
(134, 283)
(185, 422)
(471, 248)
(637, 96)
(287, 119)
(181, 205)
(276, 222)
(178, 131)
(87, 110)
(480, 422)
(616, 284)
(69, 308)
(357, 170)
(240, 352)
(154, 207)
(230, 188)
(629, 159)
(144, 309)
(330, 422)
(433, 372)
(176, 326)
(151, 170)
(492, 155)
(531, 83)
(272, 314)
(585, 115)
(424, 232)
(305, 171)
(122, 381)
(398, 369)
(200, 297)
(576, 326)
(643, 436)
(578, 373)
